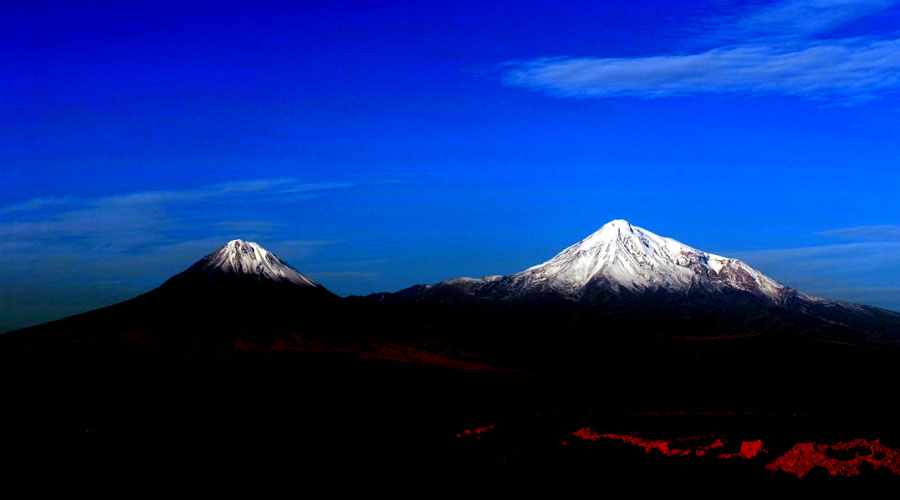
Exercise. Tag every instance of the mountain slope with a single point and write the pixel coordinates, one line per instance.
(626, 260)
(239, 292)
(620, 256)
(248, 265)
(625, 275)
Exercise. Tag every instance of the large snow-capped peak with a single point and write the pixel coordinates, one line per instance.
(246, 258)
(624, 256)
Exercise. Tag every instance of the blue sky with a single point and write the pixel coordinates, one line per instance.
(375, 145)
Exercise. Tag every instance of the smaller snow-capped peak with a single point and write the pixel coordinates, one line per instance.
(624, 256)
(239, 257)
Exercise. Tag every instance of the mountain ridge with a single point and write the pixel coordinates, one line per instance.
(627, 257)
(619, 276)
(623, 270)
(624, 257)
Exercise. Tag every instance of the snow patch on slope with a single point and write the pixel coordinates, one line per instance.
(627, 257)
(621, 257)
(248, 258)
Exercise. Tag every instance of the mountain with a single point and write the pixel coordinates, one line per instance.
(621, 257)
(249, 276)
(244, 263)
(241, 356)
(623, 276)
(239, 295)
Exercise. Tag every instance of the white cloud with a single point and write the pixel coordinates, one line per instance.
(845, 69)
(798, 18)
(759, 60)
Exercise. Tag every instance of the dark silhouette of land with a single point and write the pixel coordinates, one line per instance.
(411, 392)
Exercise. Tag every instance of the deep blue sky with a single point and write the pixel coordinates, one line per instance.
(375, 145)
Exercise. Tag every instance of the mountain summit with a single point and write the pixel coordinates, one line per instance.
(622, 276)
(620, 256)
(236, 298)
(248, 259)
(245, 273)
(623, 259)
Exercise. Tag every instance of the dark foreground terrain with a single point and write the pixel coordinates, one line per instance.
(242, 376)
(637, 424)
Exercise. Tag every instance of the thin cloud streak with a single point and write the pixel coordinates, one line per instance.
(130, 221)
(865, 272)
(801, 18)
(844, 69)
(36, 204)
(766, 52)
(873, 233)
(282, 186)
(849, 257)
(113, 247)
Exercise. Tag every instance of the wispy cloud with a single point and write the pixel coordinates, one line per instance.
(865, 272)
(278, 186)
(841, 69)
(873, 233)
(886, 297)
(758, 61)
(124, 222)
(801, 18)
(112, 247)
(848, 258)
(35, 204)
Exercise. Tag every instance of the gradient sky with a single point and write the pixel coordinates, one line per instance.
(375, 145)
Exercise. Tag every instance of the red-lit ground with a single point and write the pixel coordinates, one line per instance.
(749, 449)
(799, 460)
(680, 448)
(476, 432)
(804, 457)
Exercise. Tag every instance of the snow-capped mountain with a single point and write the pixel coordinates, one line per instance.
(246, 265)
(621, 261)
(248, 259)
(236, 298)
(623, 258)
(624, 271)
(620, 257)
